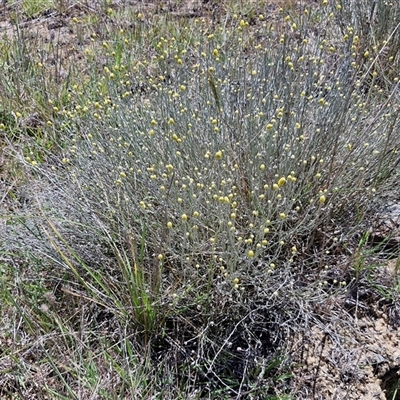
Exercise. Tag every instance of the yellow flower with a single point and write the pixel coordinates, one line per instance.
(250, 253)
(176, 138)
(322, 199)
(281, 182)
(218, 155)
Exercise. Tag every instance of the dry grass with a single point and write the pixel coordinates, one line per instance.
(189, 196)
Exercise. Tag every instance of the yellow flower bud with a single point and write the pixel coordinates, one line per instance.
(281, 182)
(218, 155)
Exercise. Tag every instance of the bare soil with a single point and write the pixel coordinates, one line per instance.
(346, 357)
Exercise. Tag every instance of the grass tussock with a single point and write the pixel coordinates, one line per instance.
(197, 191)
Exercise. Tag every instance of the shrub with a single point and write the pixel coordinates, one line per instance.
(203, 193)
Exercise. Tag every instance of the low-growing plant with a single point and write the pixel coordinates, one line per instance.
(202, 189)
(134, 298)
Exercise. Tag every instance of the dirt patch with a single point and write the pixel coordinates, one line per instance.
(345, 357)
(359, 364)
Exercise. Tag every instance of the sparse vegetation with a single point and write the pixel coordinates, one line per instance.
(186, 189)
